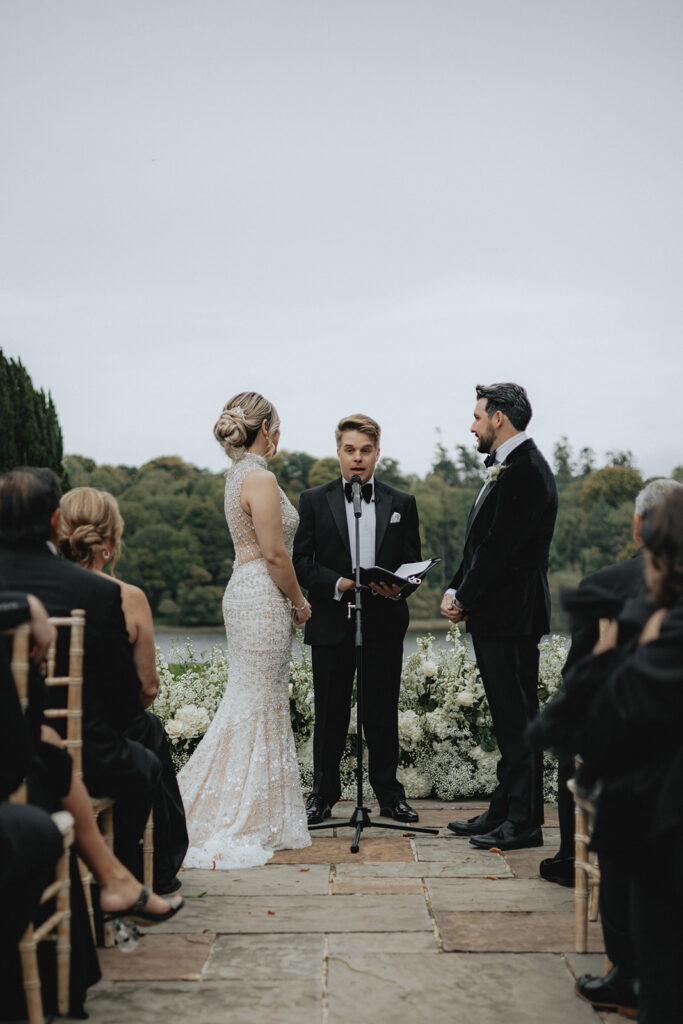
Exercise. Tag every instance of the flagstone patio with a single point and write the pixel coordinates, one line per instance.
(411, 927)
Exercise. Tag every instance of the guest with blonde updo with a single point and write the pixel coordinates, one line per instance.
(90, 530)
(241, 786)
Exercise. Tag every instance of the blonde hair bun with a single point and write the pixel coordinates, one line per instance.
(90, 520)
(239, 423)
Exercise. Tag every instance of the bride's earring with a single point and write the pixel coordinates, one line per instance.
(106, 555)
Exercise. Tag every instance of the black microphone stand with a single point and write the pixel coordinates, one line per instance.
(360, 819)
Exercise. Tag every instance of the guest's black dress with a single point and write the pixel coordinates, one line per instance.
(30, 844)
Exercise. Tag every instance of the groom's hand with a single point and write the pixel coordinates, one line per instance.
(453, 611)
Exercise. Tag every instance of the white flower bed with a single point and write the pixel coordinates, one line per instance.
(447, 745)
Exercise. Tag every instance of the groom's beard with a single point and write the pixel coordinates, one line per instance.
(484, 443)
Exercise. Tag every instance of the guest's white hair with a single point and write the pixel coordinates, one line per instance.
(653, 493)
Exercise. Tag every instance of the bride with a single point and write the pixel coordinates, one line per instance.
(241, 786)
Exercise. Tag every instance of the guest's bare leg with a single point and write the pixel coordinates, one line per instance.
(119, 888)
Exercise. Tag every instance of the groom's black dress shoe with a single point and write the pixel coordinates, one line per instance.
(508, 837)
(558, 869)
(474, 826)
(317, 809)
(610, 993)
(400, 811)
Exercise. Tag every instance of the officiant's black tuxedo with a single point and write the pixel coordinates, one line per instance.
(113, 765)
(322, 554)
(502, 584)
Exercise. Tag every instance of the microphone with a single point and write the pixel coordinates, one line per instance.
(356, 484)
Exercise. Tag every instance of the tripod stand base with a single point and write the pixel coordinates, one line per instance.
(360, 820)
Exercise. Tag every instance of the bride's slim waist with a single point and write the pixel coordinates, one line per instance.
(252, 576)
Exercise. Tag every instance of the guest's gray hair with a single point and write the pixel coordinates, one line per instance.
(653, 493)
(510, 399)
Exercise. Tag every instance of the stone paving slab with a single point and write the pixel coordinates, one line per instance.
(330, 850)
(524, 863)
(474, 989)
(295, 1002)
(159, 958)
(312, 880)
(461, 865)
(505, 894)
(447, 847)
(538, 932)
(360, 943)
(258, 959)
(228, 915)
(376, 886)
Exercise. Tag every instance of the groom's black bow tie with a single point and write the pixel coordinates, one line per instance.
(490, 460)
(366, 491)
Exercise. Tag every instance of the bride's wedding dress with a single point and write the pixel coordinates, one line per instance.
(241, 786)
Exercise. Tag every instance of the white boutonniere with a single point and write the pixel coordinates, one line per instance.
(491, 473)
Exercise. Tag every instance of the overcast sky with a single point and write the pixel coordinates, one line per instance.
(367, 205)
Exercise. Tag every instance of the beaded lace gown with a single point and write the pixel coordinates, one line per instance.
(241, 786)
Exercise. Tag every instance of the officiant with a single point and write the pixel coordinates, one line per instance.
(323, 546)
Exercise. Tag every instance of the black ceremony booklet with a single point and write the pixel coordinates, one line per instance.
(409, 572)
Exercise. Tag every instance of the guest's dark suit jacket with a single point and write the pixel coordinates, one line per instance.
(633, 737)
(502, 579)
(322, 554)
(111, 690)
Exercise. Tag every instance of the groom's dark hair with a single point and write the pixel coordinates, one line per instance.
(510, 399)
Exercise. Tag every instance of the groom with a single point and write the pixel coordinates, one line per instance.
(324, 550)
(501, 590)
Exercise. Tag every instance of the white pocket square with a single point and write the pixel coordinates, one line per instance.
(395, 517)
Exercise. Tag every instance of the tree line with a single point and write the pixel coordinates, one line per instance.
(178, 549)
(176, 541)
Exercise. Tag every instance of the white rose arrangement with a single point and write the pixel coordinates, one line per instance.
(447, 745)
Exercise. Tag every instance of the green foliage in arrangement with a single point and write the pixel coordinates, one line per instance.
(30, 434)
(178, 549)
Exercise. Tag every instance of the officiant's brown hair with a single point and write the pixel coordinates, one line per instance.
(363, 424)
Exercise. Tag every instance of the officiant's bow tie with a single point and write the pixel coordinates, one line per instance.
(366, 491)
(490, 460)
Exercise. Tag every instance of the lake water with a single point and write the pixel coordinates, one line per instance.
(204, 639)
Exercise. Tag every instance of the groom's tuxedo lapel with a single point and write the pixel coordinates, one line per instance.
(382, 514)
(337, 502)
(523, 449)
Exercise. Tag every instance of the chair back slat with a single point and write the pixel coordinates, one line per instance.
(73, 681)
(20, 661)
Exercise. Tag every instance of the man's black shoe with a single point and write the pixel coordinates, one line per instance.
(167, 888)
(508, 837)
(610, 993)
(317, 809)
(400, 811)
(560, 870)
(474, 826)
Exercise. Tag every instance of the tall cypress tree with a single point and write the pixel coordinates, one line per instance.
(30, 434)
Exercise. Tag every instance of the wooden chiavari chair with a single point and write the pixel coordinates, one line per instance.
(57, 927)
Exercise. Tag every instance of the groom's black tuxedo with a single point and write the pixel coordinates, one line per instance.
(322, 554)
(502, 584)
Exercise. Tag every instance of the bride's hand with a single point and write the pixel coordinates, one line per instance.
(302, 615)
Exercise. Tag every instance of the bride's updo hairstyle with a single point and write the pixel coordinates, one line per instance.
(90, 521)
(239, 424)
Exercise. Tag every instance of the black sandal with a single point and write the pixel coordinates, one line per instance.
(139, 915)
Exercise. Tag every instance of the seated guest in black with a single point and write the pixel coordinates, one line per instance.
(113, 765)
(621, 708)
(624, 580)
(90, 531)
(37, 756)
(633, 741)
